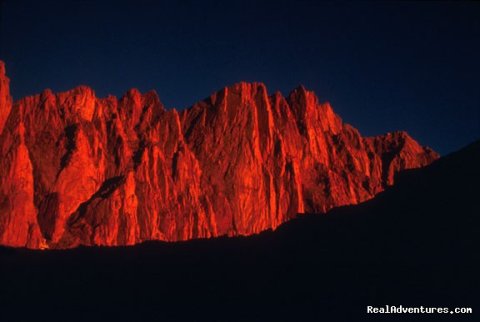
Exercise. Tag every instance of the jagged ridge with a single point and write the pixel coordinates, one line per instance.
(82, 170)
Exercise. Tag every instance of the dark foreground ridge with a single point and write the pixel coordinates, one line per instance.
(415, 244)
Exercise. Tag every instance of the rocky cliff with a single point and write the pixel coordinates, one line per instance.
(80, 170)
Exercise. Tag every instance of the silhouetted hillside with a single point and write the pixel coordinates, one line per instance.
(414, 244)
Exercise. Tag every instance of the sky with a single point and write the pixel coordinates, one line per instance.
(384, 66)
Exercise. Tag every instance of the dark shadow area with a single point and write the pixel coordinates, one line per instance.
(415, 244)
(70, 132)
(106, 189)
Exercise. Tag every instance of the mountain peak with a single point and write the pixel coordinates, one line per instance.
(5, 98)
(2, 68)
(301, 91)
(246, 88)
(87, 171)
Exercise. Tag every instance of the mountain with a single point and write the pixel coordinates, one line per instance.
(414, 245)
(81, 170)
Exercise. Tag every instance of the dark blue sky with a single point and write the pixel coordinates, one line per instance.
(383, 66)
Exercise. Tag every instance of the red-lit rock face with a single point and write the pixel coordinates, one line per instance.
(81, 170)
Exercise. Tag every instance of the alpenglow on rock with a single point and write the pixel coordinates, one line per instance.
(80, 170)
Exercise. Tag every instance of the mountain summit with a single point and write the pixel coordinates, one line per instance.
(81, 170)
